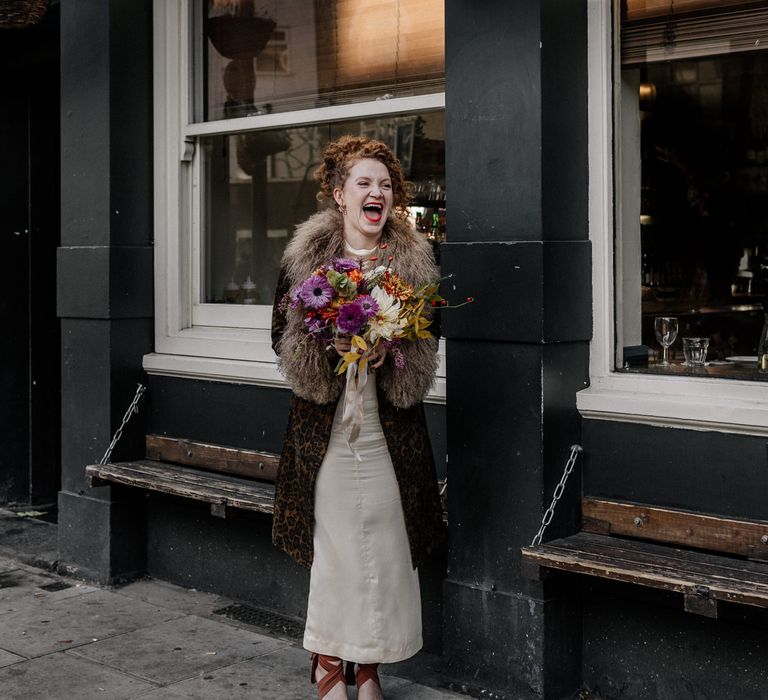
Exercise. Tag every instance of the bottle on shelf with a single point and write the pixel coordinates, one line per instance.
(434, 230)
(762, 348)
(249, 291)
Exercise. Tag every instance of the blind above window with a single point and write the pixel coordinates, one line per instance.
(266, 57)
(654, 30)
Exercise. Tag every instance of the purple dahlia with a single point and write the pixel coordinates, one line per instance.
(369, 305)
(316, 292)
(344, 265)
(314, 325)
(351, 318)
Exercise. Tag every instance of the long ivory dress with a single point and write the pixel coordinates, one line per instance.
(364, 600)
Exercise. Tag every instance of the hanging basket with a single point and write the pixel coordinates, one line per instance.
(18, 14)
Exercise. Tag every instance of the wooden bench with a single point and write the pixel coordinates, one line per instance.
(706, 558)
(225, 477)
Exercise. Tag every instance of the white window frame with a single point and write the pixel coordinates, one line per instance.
(222, 342)
(722, 405)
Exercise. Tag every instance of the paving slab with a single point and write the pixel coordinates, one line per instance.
(45, 627)
(7, 564)
(19, 587)
(64, 676)
(280, 675)
(27, 539)
(6, 658)
(168, 595)
(179, 649)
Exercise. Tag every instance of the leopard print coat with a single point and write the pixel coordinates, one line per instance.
(316, 392)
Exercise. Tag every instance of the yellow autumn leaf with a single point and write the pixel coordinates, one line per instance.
(357, 341)
(424, 334)
(350, 357)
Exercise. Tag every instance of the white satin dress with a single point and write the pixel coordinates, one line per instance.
(364, 600)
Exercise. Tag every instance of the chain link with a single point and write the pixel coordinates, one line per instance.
(575, 451)
(133, 408)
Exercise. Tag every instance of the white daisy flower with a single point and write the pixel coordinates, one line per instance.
(386, 323)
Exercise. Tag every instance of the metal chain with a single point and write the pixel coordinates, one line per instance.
(133, 408)
(575, 451)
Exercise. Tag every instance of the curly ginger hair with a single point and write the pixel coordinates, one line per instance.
(341, 154)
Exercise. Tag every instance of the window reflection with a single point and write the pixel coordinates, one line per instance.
(259, 185)
(268, 56)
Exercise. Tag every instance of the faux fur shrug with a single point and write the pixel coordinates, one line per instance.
(310, 370)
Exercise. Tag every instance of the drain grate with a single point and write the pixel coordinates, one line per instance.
(266, 619)
(55, 586)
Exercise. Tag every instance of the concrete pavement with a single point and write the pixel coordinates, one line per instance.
(60, 638)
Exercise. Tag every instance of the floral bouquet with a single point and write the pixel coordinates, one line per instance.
(373, 307)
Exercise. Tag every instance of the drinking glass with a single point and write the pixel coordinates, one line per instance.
(695, 351)
(665, 328)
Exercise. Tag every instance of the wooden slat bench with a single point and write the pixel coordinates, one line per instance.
(225, 477)
(631, 542)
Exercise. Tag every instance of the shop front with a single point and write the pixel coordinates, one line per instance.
(582, 169)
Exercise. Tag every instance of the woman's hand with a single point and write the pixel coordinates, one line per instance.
(343, 344)
(378, 356)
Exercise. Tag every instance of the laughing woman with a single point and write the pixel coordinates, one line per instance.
(362, 513)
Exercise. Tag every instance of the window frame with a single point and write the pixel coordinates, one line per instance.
(714, 404)
(222, 342)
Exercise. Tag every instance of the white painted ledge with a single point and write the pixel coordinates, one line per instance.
(237, 372)
(692, 403)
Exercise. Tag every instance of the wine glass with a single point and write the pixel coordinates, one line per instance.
(665, 328)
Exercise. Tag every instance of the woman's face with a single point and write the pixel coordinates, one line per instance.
(367, 196)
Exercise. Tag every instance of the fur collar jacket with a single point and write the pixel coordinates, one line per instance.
(310, 370)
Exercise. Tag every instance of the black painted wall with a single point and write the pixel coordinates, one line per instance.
(29, 235)
(699, 470)
(640, 644)
(241, 415)
(516, 143)
(105, 275)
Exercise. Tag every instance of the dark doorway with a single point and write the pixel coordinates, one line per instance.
(29, 237)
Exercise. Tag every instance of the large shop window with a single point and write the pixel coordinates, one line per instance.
(692, 185)
(678, 165)
(264, 87)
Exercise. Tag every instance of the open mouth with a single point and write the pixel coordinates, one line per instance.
(373, 211)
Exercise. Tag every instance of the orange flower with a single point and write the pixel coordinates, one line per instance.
(329, 312)
(397, 287)
(355, 275)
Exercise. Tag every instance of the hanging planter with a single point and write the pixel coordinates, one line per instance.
(240, 37)
(237, 30)
(18, 14)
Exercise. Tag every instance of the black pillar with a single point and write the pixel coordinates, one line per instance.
(518, 242)
(104, 271)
